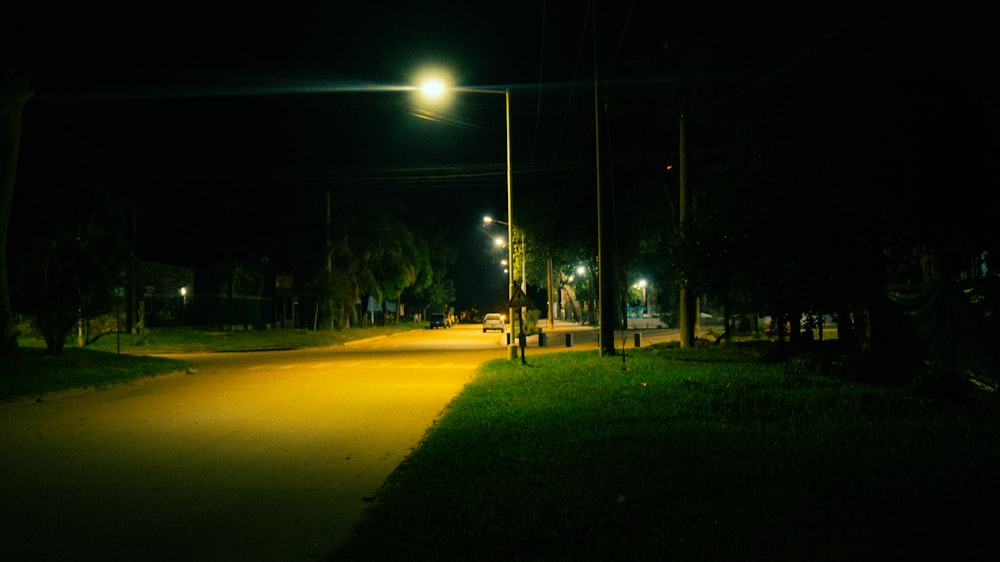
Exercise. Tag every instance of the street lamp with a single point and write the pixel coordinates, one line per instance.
(645, 302)
(581, 272)
(437, 88)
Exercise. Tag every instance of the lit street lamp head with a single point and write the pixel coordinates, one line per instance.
(433, 88)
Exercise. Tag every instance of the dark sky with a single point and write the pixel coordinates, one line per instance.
(246, 113)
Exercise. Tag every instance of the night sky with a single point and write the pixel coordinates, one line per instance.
(239, 116)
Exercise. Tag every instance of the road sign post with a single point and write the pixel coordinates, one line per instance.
(520, 300)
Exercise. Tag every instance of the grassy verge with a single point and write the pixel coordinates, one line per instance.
(194, 340)
(689, 457)
(35, 373)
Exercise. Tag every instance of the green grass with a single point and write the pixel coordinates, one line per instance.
(34, 373)
(193, 340)
(689, 456)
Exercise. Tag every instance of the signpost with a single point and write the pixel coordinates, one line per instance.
(520, 300)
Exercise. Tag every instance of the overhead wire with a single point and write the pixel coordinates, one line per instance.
(541, 75)
(573, 82)
(791, 62)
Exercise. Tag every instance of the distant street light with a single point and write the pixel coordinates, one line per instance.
(524, 253)
(645, 302)
(436, 88)
(581, 272)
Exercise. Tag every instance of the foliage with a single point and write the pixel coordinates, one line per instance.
(402, 262)
(334, 293)
(78, 251)
(247, 282)
(434, 289)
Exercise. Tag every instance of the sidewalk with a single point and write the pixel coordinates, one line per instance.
(648, 329)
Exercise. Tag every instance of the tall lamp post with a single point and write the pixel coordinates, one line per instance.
(437, 88)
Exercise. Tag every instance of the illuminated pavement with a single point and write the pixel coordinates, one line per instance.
(256, 456)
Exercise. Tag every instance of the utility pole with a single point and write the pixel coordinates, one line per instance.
(552, 303)
(132, 322)
(329, 242)
(605, 261)
(686, 303)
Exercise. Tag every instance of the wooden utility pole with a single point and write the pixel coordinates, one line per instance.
(605, 259)
(687, 306)
(14, 94)
(553, 306)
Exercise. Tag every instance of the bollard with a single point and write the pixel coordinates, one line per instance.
(638, 339)
(542, 336)
(569, 340)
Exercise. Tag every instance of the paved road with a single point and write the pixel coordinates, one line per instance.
(256, 456)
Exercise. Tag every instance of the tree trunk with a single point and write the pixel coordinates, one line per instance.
(14, 93)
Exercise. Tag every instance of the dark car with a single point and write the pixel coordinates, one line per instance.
(438, 320)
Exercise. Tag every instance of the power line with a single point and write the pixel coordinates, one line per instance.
(793, 61)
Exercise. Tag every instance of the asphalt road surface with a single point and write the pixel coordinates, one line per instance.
(255, 456)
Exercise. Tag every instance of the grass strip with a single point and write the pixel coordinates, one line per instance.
(34, 373)
(688, 457)
(119, 358)
(194, 340)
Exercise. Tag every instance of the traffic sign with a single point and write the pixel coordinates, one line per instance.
(518, 299)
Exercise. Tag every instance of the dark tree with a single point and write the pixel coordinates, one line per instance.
(14, 92)
(76, 248)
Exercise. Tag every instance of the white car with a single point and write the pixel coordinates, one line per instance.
(493, 321)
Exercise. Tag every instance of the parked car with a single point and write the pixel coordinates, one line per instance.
(493, 321)
(439, 320)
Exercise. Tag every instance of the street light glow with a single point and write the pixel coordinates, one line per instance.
(433, 88)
